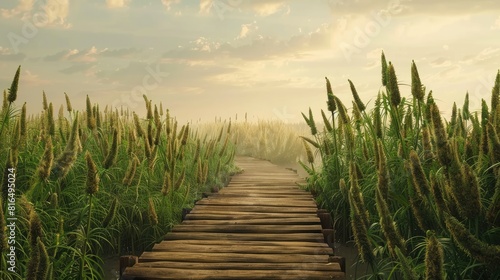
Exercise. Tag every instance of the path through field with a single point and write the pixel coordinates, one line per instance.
(261, 226)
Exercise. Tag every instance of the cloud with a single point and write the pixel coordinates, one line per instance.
(12, 57)
(487, 54)
(265, 7)
(23, 8)
(205, 6)
(168, 3)
(113, 4)
(6, 54)
(440, 62)
(261, 8)
(90, 55)
(47, 13)
(121, 53)
(32, 79)
(258, 48)
(77, 68)
(496, 24)
(415, 7)
(56, 12)
(246, 29)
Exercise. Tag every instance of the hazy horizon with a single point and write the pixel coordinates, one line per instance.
(218, 58)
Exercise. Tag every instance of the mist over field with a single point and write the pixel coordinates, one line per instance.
(218, 58)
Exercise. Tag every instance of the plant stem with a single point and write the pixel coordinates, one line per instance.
(87, 229)
(6, 118)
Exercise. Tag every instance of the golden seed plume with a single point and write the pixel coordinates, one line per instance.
(111, 213)
(355, 95)
(384, 69)
(43, 170)
(434, 258)
(68, 103)
(392, 86)
(65, 161)
(382, 171)
(167, 183)
(418, 176)
(417, 90)
(91, 122)
(388, 226)
(360, 231)
(43, 265)
(14, 86)
(92, 181)
(113, 151)
(470, 244)
(130, 173)
(329, 93)
(153, 217)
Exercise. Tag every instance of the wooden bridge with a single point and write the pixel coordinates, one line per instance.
(261, 226)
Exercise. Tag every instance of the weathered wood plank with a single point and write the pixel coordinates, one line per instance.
(237, 248)
(242, 266)
(308, 237)
(248, 228)
(257, 209)
(180, 274)
(257, 202)
(232, 257)
(230, 215)
(255, 221)
(248, 243)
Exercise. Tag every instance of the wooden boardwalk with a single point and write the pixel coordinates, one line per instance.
(261, 226)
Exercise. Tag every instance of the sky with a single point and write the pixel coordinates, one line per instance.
(221, 58)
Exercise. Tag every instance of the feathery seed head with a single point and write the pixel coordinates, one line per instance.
(417, 90)
(92, 175)
(357, 100)
(68, 103)
(329, 93)
(14, 86)
(384, 69)
(392, 86)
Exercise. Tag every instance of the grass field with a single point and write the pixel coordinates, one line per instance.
(419, 195)
(87, 185)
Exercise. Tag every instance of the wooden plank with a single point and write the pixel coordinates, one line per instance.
(257, 209)
(240, 194)
(232, 257)
(248, 243)
(262, 221)
(237, 248)
(180, 274)
(241, 266)
(230, 215)
(257, 202)
(308, 237)
(248, 228)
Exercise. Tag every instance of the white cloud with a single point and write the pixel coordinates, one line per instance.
(112, 4)
(46, 13)
(205, 6)
(246, 29)
(57, 12)
(168, 3)
(496, 24)
(32, 79)
(4, 50)
(24, 7)
(266, 8)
